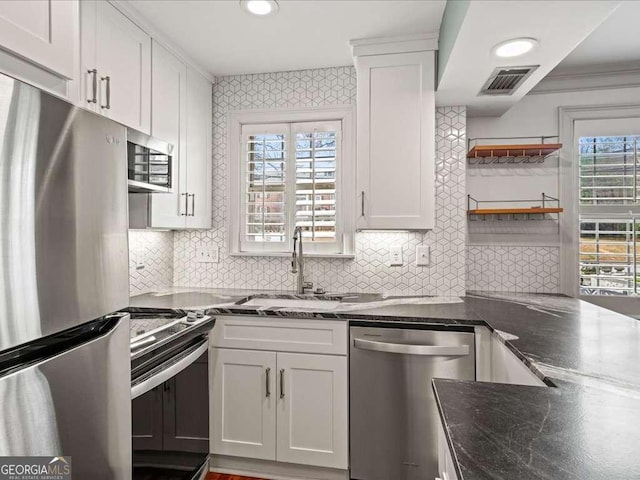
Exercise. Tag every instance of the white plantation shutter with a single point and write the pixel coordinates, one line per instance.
(317, 147)
(264, 187)
(608, 256)
(609, 172)
(290, 176)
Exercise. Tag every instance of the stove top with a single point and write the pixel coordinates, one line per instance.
(152, 328)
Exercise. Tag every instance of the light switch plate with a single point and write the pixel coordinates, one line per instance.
(395, 256)
(208, 255)
(423, 255)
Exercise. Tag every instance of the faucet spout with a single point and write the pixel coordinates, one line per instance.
(297, 262)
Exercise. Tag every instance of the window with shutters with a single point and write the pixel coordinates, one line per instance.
(609, 215)
(292, 175)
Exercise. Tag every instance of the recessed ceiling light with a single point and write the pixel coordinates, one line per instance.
(260, 7)
(514, 47)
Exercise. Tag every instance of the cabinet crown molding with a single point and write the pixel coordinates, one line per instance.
(399, 44)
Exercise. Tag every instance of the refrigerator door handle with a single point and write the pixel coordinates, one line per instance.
(170, 371)
(411, 349)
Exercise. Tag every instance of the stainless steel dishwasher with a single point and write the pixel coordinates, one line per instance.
(393, 413)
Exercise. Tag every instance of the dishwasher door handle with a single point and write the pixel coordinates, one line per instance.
(411, 349)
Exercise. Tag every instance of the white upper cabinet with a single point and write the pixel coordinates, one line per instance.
(115, 66)
(42, 31)
(396, 140)
(182, 103)
(169, 123)
(199, 151)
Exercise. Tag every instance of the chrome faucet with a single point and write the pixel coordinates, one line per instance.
(297, 262)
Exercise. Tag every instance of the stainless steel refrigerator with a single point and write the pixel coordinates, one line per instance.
(64, 353)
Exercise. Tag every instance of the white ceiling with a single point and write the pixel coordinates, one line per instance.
(559, 25)
(614, 44)
(224, 39)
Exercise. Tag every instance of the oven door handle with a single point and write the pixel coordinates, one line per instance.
(173, 368)
(411, 349)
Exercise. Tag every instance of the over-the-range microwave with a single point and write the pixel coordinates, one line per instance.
(149, 160)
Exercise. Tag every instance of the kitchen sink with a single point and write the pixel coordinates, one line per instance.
(318, 304)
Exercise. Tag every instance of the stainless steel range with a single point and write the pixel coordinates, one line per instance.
(170, 392)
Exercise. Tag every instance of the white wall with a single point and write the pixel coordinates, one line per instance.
(535, 114)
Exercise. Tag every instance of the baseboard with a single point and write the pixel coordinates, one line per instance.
(249, 467)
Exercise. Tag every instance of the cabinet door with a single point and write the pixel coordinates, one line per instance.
(168, 122)
(123, 54)
(396, 141)
(199, 132)
(42, 31)
(243, 414)
(88, 77)
(146, 424)
(312, 410)
(186, 429)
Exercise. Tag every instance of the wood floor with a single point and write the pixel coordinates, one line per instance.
(222, 476)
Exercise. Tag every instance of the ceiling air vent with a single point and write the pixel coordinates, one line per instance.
(505, 81)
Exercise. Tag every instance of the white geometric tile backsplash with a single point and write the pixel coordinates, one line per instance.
(170, 257)
(513, 268)
(368, 272)
(155, 251)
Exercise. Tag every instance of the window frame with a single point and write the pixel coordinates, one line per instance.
(345, 178)
(570, 133)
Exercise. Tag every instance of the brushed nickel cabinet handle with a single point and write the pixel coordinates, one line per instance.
(94, 86)
(186, 205)
(362, 206)
(282, 383)
(108, 80)
(193, 205)
(268, 382)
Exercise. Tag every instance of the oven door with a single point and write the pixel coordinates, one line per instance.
(164, 365)
(170, 411)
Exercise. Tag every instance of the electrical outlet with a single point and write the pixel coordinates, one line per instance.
(140, 266)
(395, 256)
(423, 255)
(208, 255)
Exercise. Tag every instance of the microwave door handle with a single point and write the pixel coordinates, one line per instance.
(169, 372)
(411, 349)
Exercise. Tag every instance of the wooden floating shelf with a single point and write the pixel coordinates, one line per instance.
(507, 211)
(528, 150)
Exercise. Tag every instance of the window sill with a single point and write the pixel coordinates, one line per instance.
(344, 256)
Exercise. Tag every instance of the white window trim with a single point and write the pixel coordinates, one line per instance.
(235, 121)
(569, 172)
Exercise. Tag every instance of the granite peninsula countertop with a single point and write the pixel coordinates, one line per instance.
(586, 426)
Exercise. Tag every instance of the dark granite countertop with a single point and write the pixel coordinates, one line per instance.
(585, 427)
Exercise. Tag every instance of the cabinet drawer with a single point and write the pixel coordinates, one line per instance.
(290, 335)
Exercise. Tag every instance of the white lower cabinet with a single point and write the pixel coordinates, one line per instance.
(243, 404)
(280, 406)
(312, 427)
